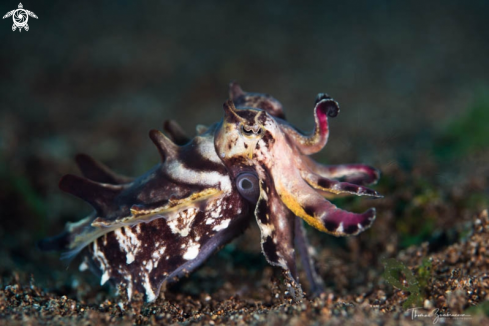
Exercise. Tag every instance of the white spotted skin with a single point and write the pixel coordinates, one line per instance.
(181, 222)
(149, 266)
(156, 255)
(266, 230)
(170, 239)
(214, 212)
(192, 251)
(128, 242)
(281, 261)
(105, 277)
(143, 252)
(83, 266)
(150, 295)
(104, 265)
(129, 285)
(340, 228)
(217, 212)
(224, 224)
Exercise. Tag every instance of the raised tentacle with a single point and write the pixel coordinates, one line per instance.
(96, 171)
(176, 133)
(336, 187)
(359, 174)
(310, 144)
(265, 102)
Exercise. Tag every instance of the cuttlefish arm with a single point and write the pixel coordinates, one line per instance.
(309, 144)
(336, 187)
(309, 205)
(276, 224)
(359, 174)
(302, 244)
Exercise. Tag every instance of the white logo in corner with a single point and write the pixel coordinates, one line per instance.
(20, 17)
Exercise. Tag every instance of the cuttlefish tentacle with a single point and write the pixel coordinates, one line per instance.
(336, 187)
(276, 224)
(302, 244)
(359, 174)
(310, 144)
(308, 204)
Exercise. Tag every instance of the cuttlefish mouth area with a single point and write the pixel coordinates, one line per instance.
(253, 131)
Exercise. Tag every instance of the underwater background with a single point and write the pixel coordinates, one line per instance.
(412, 81)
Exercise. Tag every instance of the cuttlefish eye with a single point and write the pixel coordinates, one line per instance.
(251, 131)
(248, 187)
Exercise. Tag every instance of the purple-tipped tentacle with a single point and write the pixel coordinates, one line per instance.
(310, 144)
(359, 174)
(336, 187)
(308, 204)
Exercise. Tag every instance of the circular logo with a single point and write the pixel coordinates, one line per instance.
(20, 18)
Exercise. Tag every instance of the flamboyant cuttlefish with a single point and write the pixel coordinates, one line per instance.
(152, 230)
